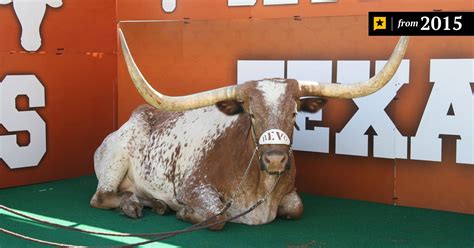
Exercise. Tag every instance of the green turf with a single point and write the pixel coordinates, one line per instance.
(327, 222)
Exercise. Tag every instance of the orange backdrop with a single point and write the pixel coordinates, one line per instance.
(86, 100)
(181, 58)
(77, 66)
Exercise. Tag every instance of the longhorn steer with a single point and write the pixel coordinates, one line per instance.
(185, 154)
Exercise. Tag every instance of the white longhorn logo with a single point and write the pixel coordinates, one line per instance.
(30, 13)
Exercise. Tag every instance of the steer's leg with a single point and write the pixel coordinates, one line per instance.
(111, 162)
(204, 202)
(126, 201)
(158, 206)
(116, 191)
(110, 196)
(290, 206)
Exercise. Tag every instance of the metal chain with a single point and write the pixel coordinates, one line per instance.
(244, 176)
(229, 203)
(264, 199)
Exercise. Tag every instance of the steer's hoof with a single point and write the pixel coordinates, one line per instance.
(219, 226)
(132, 208)
(185, 213)
(160, 207)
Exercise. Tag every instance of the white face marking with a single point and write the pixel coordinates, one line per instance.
(272, 93)
(302, 82)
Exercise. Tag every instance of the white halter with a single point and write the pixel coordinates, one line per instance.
(274, 137)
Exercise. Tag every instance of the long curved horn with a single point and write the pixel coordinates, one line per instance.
(173, 103)
(348, 91)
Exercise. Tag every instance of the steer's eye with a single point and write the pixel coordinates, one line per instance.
(294, 114)
(252, 116)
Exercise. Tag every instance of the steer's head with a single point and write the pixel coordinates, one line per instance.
(270, 104)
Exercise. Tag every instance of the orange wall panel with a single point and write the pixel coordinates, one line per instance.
(76, 26)
(218, 9)
(89, 92)
(78, 112)
(203, 55)
(76, 64)
(443, 186)
(152, 10)
(345, 176)
(179, 58)
(440, 185)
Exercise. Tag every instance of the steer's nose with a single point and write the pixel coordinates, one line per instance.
(275, 161)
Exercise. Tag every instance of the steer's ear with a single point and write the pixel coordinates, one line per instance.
(312, 104)
(230, 107)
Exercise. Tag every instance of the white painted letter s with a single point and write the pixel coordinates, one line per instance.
(16, 156)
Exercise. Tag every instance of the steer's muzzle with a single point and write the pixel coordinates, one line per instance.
(275, 161)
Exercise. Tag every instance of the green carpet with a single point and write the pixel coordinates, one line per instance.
(327, 222)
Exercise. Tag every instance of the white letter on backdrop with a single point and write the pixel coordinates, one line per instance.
(317, 139)
(388, 142)
(452, 78)
(16, 156)
(241, 2)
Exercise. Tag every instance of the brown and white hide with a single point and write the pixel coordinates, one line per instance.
(193, 161)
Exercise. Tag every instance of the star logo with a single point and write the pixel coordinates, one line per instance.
(380, 23)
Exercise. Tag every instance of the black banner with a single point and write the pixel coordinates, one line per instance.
(421, 23)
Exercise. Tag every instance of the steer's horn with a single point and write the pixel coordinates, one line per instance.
(173, 103)
(360, 89)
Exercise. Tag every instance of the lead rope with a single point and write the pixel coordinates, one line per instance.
(258, 203)
(33, 239)
(164, 235)
(244, 176)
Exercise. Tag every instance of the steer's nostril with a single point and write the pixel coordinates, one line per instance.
(267, 160)
(275, 158)
(274, 161)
